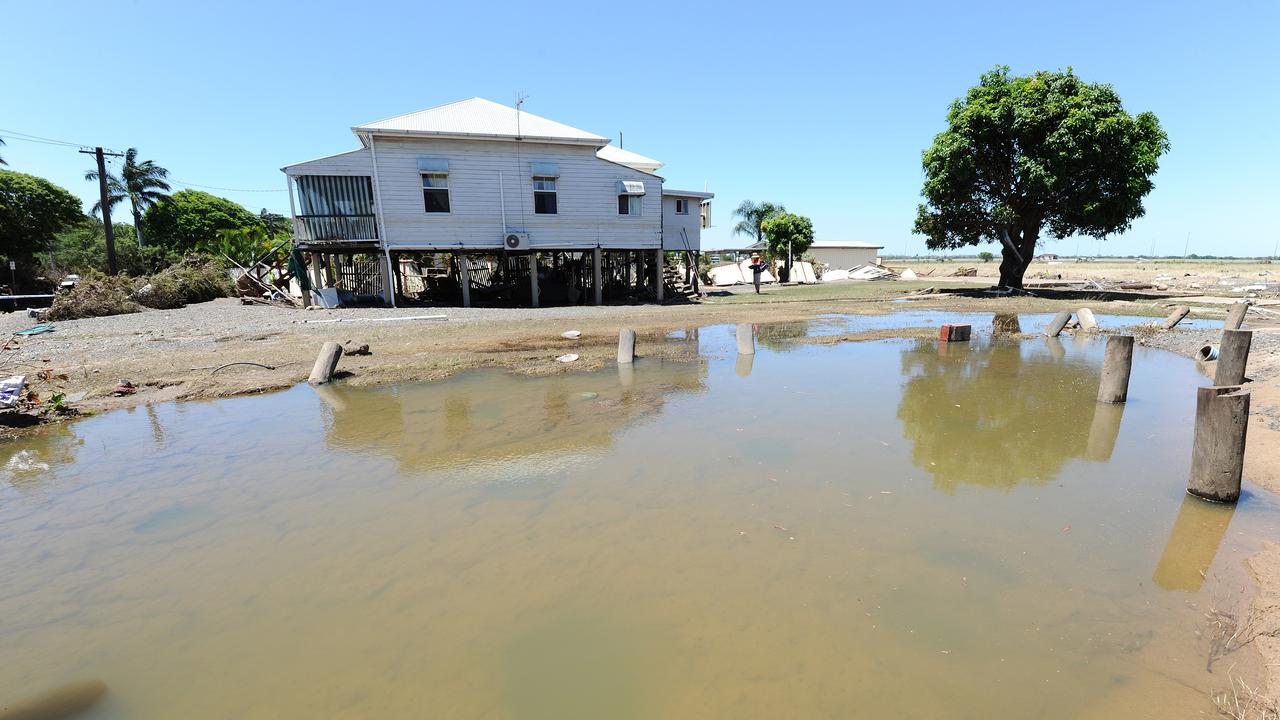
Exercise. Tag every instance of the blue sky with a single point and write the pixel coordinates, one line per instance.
(824, 107)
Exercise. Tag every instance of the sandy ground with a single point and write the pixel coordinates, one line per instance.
(192, 353)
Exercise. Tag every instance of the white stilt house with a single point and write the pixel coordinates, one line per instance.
(476, 201)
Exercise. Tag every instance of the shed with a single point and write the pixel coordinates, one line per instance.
(843, 254)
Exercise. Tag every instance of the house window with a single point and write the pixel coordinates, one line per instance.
(435, 192)
(682, 206)
(629, 204)
(544, 195)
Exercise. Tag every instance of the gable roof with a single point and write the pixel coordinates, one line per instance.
(635, 161)
(844, 244)
(480, 118)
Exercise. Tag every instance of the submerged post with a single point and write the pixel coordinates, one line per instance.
(1217, 453)
(626, 345)
(1059, 321)
(1233, 356)
(1088, 322)
(1175, 317)
(1235, 316)
(746, 340)
(1116, 364)
(326, 363)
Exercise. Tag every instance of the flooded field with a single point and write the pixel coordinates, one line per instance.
(881, 529)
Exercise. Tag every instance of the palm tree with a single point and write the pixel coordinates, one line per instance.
(752, 215)
(142, 183)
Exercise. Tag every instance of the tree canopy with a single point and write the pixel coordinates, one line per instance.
(142, 183)
(788, 235)
(751, 216)
(32, 211)
(192, 219)
(1022, 156)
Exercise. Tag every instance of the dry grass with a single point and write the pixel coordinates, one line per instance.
(1245, 702)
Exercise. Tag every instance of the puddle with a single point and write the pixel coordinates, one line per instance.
(880, 529)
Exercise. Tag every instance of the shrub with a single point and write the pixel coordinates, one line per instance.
(95, 295)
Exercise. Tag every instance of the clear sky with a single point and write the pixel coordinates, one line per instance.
(824, 107)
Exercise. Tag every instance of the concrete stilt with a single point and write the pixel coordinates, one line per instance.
(1059, 321)
(1235, 316)
(326, 363)
(1233, 356)
(746, 340)
(596, 285)
(1175, 317)
(464, 277)
(317, 272)
(658, 261)
(1116, 365)
(533, 278)
(1088, 322)
(626, 345)
(1217, 453)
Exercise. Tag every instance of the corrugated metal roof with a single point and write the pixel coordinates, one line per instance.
(635, 161)
(482, 118)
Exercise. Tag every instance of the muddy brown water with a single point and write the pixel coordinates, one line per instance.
(881, 529)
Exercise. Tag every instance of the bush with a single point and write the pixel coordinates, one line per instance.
(95, 295)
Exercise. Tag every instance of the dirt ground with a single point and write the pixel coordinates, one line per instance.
(198, 352)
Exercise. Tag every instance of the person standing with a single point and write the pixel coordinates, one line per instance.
(757, 267)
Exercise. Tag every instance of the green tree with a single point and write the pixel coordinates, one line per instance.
(32, 211)
(1026, 155)
(986, 256)
(83, 246)
(192, 218)
(143, 183)
(274, 223)
(788, 235)
(751, 217)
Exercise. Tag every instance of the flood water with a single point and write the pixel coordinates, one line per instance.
(880, 529)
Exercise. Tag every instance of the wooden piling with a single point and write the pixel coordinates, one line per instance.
(1235, 316)
(746, 340)
(1175, 317)
(1059, 321)
(1217, 453)
(1233, 356)
(1088, 322)
(1116, 365)
(626, 345)
(326, 363)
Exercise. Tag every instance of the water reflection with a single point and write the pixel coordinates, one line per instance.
(743, 363)
(25, 465)
(997, 414)
(1193, 544)
(485, 419)
(1104, 430)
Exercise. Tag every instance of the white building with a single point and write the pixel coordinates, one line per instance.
(843, 254)
(502, 192)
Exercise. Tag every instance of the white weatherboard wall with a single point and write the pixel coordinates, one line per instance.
(672, 224)
(587, 197)
(843, 258)
(356, 162)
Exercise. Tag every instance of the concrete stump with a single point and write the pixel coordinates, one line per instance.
(1175, 317)
(1235, 316)
(1233, 356)
(326, 363)
(746, 340)
(1116, 365)
(1217, 453)
(1059, 321)
(1088, 322)
(626, 345)
(954, 333)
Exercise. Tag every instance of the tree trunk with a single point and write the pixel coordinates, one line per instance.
(1016, 253)
(137, 225)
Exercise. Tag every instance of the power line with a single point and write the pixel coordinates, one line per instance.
(224, 189)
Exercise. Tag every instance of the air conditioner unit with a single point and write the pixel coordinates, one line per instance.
(516, 241)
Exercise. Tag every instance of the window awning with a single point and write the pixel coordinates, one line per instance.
(630, 187)
(544, 169)
(433, 165)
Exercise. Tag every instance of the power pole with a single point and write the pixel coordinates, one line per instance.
(100, 154)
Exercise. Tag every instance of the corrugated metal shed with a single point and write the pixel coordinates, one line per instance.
(477, 117)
